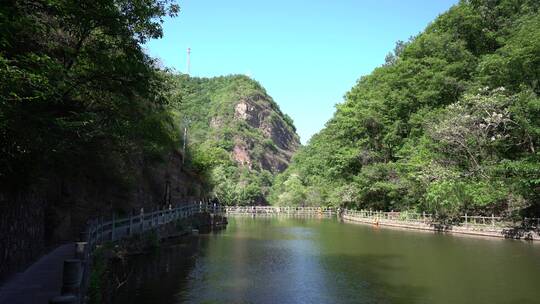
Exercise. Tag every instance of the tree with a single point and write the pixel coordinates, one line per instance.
(449, 124)
(76, 89)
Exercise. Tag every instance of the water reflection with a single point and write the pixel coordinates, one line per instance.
(162, 276)
(267, 260)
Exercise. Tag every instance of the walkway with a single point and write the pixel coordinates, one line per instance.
(40, 282)
(43, 279)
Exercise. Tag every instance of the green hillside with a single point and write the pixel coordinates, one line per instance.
(449, 124)
(236, 134)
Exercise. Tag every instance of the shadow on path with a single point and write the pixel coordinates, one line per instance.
(39, 282)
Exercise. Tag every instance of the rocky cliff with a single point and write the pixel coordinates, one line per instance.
(258, 113)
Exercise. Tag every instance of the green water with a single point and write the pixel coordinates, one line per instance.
(284, 260)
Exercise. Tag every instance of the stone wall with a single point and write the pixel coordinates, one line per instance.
(58, 209)
(475, 230)
(21, 233)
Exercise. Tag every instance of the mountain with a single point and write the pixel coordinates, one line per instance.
(449, 124)
(235, 132)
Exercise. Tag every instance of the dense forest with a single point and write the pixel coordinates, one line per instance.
(84, 125)
(77, 92)
(449, 124)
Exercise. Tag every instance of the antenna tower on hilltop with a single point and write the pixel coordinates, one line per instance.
(188, 61)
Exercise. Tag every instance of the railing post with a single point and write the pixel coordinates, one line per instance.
(71, 276)
(81, 249)
(99, 230)
(141, 223)
(113, 226)
(466, 220)
(492, 220)
(130, 223)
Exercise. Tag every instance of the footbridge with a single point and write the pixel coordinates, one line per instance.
(280, 211)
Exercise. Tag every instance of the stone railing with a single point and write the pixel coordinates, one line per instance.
(493, 226)
(279, 211)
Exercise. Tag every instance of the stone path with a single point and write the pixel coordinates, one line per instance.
(39, 282)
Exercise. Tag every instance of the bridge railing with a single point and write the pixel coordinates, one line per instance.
(99, 231)
(464, 220)
(393, 216)
(280, 210)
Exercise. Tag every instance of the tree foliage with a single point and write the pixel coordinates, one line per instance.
(77, 92)
(449, 124)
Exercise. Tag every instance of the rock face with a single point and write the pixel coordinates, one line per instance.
(281, 141)
(241, 154)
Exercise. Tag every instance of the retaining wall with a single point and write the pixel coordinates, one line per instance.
(478, 230)
(21, 233)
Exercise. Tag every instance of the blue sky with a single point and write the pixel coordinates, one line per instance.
(307, 54)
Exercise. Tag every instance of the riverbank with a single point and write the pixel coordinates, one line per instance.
(475, 230)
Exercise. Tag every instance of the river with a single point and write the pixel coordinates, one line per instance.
(291, 260)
